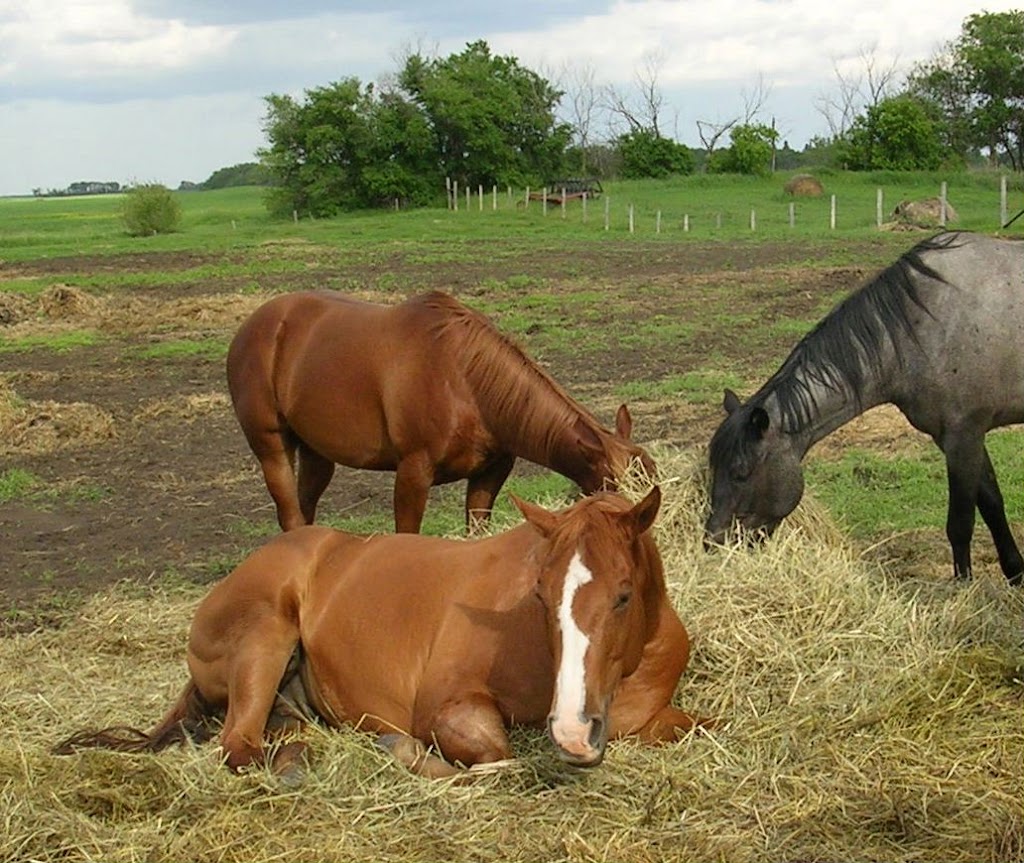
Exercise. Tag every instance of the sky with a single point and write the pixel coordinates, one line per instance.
(171, 90)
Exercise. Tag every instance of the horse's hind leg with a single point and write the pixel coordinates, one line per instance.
(990, 504)
(275, 451)
(257, 667)
(315, 474)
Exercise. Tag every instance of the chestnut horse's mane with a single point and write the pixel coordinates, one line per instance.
(515, 392)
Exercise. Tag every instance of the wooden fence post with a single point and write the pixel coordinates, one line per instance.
(1002, 200)
(832, 214)
(792, 214)
(631, 218)
(942, 204)
(607, 206)
(879, 207)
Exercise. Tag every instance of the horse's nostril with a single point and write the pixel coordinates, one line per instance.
(597, 738)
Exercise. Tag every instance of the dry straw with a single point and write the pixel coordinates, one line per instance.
(865, 716)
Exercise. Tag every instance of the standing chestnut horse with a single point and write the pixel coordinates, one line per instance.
(427, 388)
(562, 621)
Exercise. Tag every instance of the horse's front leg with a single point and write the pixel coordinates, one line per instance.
(469, 729)
(413, 478)
(482, 490)
(965, 459)
(990, 504)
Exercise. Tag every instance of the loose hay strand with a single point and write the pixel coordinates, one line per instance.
(864, 716)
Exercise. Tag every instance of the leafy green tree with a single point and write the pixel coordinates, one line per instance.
(750, 152)
(493, 120)
(346, 147)
(898, 134)
(150, 209)
(645, 153)
(977, 82)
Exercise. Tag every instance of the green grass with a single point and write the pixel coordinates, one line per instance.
(235, 218)
(873, 495)
(58, 342)
(16, 484)
(22, 485)
(696, 387)
(183, 349)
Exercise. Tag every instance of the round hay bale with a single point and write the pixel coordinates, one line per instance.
(65, 301)
(926, 213)
(804, 186)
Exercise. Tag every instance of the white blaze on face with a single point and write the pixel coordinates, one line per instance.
(570, 683)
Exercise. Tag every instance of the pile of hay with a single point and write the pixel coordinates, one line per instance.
(864, 716)
(39, 427)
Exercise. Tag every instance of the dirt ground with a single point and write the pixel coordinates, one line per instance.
(145, 473)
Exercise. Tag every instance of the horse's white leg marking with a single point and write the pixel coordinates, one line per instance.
(567, 724)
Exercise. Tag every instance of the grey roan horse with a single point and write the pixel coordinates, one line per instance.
(939, 334)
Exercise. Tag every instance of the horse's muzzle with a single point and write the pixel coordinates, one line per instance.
(582, 744)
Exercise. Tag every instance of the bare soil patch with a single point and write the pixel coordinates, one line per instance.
(145, 472)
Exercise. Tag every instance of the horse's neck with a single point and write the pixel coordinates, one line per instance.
(539, 423)
(830, 406)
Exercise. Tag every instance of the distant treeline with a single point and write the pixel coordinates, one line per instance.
(243, 174)
(82, 187)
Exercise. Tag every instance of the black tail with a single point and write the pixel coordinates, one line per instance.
(189, 719)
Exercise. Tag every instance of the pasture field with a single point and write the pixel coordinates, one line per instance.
(870, 708)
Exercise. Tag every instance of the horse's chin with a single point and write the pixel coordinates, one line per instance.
(580, 761)
(751, 535)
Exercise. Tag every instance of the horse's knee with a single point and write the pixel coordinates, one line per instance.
(471, 731)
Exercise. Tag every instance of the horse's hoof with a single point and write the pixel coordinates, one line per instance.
(289, 765)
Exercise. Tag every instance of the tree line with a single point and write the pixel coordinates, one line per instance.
(480, 119)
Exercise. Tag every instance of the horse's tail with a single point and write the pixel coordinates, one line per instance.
(188, 719)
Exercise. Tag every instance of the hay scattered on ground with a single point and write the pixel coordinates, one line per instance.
(864, 715)
(185, 407)
(40, 427)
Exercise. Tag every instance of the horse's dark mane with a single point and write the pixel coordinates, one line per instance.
(845, 347)
(510, 386)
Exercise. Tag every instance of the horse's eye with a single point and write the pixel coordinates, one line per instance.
(622, 600)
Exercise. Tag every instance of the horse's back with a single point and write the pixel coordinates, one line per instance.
(356, 381)
(970, 364)
(407, 607)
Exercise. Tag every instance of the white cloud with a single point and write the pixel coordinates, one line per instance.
(81, 71)
(100, 39)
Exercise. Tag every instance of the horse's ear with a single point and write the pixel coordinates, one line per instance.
(759, 422)
(586, 436)
(624, 423)
(643, 514)
(731, 401)
(543, 520)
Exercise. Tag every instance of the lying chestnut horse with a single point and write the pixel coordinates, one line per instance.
(428, 388)
(563, 620)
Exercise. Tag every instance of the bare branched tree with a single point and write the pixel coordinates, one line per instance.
(581, 101)
(855, 91)
(641, 108)
(711, 132)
